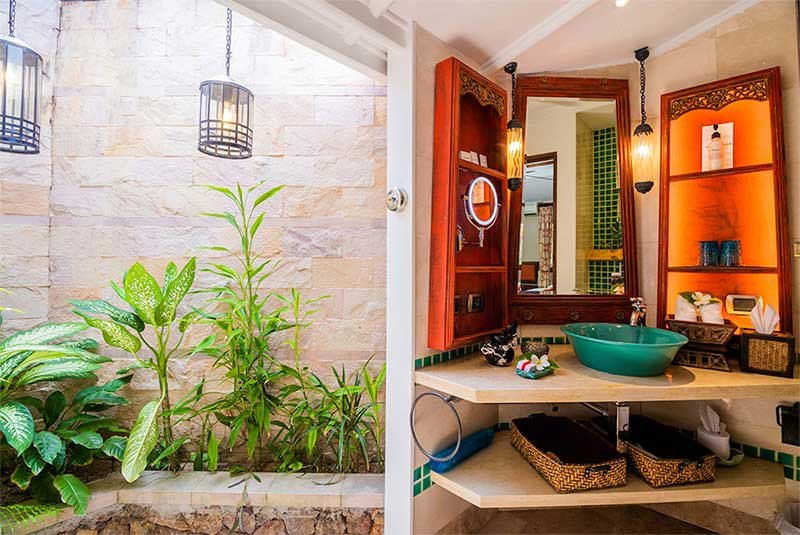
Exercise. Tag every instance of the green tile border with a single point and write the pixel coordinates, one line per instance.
(424, 361)
(422, 479)
(551, 340)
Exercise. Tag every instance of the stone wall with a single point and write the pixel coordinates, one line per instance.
(120, 181)
(213, 520)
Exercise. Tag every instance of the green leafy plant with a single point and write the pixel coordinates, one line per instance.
(43, 353)
(71, 435)
(244, 320)
(323, 427)
(149, 327)
(349, 416)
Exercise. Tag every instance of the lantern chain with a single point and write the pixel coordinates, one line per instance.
(514, 95)
(12, 15)
(228, 43)
(641, 90)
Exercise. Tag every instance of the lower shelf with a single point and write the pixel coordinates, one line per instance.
(498, 477)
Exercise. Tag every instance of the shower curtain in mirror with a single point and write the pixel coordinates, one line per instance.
(545, 246)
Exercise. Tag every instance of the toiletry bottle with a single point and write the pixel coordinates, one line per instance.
(715, 150)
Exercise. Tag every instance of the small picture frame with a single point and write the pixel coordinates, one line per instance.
(482, 160)
(474, 157)
(465, 155)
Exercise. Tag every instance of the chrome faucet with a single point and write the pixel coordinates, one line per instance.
(639, 314)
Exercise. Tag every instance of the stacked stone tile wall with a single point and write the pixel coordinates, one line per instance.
(119, 178)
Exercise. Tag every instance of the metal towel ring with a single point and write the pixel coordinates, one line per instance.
(448, 400)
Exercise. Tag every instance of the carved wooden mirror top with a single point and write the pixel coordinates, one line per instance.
(572, 245)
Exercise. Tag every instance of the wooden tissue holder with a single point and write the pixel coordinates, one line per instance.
(767, 354)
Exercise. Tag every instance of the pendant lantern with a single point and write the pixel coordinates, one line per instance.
(643, 138)
(515, 136)
(20, 92)
(226, 113)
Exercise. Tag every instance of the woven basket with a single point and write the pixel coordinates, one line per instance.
(769, 354)
(538, 436)
(664, 456)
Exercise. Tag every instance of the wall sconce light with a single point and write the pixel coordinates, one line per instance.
(226, 113)
(20, 92)
(515, 141)
(643, 138)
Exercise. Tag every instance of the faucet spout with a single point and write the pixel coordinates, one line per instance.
(639, 314)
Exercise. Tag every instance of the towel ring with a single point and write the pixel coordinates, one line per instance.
(448, 400)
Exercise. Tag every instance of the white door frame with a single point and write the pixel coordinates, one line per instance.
(369, 38)
(400, 293)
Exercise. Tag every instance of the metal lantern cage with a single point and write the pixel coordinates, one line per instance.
(20, 93)
(226, 112)
(226, 118)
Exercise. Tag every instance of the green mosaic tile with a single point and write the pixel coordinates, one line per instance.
(426, 361)
(417, 473)
(785, 459)
(426, 483)
(750, 451)
(426, 470)
(788, 472)
(417, 364)
(767, 454)
(437, 358)
(417, 487)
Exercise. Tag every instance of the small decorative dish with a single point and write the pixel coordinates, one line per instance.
(735, 458)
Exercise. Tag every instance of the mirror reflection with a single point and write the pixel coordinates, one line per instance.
(571, 234)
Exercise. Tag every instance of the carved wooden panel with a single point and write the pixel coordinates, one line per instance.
(485, 95)
(716, 99)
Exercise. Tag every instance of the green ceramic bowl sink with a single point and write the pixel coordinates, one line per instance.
(622, 349)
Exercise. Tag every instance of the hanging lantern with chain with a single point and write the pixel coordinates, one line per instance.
(515, 144)
(643, 138)
(20, 92)
(226, 112)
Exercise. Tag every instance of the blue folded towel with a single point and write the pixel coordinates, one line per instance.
(469, 445)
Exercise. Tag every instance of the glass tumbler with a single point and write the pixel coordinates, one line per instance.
(709, 253)
(730, 253)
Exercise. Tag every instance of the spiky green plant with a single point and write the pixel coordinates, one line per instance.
(245, 319)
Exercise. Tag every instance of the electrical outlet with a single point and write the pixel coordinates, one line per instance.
(797, 249)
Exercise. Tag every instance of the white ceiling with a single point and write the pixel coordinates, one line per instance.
(561, 35)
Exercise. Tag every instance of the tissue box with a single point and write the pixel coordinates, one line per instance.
(768, 354)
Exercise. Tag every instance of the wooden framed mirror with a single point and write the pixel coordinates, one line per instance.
(572, 244)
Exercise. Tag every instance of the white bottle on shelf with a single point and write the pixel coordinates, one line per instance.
(715, 150)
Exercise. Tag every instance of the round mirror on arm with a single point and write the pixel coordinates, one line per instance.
(482, 207)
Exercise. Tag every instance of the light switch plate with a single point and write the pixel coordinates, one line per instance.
(797, 249)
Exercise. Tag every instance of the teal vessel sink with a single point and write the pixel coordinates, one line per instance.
(623, 349)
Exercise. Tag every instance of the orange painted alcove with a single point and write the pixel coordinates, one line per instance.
(746, 202)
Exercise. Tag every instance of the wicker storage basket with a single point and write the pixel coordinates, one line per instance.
(569, 456)
(663, 456)
(768, 354)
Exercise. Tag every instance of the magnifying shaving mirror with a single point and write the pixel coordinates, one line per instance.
(482, 207)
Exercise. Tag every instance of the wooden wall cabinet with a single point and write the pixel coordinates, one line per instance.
(470, 115)
(747, 202)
